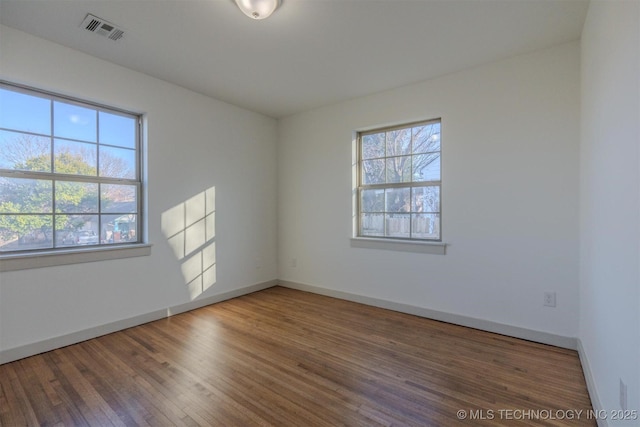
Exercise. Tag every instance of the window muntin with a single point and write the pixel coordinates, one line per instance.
(69, 173)
(399, 182)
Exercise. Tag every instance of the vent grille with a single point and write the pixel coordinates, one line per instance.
(93, 25)
(116, 34)
(102, 27)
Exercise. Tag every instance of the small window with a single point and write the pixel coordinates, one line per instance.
(69, 173)
(399, 182)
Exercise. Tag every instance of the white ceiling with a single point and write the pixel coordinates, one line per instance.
(309, 53)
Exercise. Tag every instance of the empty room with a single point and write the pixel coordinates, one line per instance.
(320, 212)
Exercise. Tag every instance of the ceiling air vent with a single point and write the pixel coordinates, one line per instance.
(100, 26)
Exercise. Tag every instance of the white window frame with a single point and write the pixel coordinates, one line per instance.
(57, 255)
(386, 241)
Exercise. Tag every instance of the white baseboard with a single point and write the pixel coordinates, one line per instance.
(456, 319)
(591, 384)
(75, 337)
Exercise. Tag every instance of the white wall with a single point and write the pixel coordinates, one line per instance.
(610, 200)
(194, 143)
(510, 134)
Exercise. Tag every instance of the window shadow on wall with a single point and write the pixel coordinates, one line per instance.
(189, 228)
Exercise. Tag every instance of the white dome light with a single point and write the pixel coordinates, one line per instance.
(258, 9)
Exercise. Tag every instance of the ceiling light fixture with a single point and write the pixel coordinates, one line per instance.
(258, 9)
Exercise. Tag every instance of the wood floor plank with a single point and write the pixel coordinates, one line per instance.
(15, 409)
(281, 357)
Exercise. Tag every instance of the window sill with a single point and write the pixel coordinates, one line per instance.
(437, 248)
(15, 262)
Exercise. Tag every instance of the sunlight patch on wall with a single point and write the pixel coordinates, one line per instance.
(190, 231)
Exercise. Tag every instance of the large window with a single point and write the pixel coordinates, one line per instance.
(69, 173)
(399, 182)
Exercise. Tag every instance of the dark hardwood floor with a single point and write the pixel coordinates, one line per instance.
(282, 357)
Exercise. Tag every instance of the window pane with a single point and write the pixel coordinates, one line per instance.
(77, 230)
(79, 166)
(76, 197)
(19, 195)
(425, 226)
(75, 158)
(426, 138)
(25, 112)
(397, 200)
(407, 170)
(117, 130)
(399, 142)
(372, 201)
(372, 224)
(25, 232)
(116, 198)
(425, 199)
(399, 169)
(373, 172)
(426, 167)
(26, 152)
(398, 225)
(373, 146)
(74, 122)
(117, 162)
(119, 228)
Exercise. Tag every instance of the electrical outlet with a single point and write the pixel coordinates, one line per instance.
(294, 262)
(549, 299)
(623, 395)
